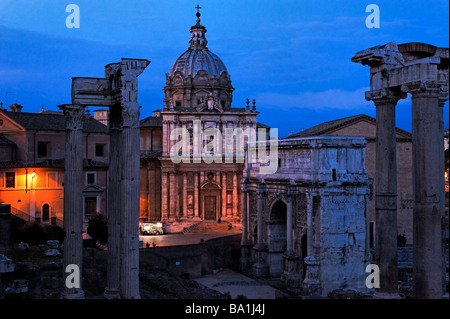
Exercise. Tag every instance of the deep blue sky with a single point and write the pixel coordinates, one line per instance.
(292, 56)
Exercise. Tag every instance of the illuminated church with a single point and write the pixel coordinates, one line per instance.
(198, 90)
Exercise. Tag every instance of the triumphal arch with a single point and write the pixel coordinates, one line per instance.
(307, 223)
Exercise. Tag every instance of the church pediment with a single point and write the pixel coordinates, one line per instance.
(210, 185)
(92, 189)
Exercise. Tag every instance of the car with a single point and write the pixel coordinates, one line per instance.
(152, 228)
(19, 286)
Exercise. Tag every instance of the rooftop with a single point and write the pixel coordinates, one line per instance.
(328, 127)
(53, 121)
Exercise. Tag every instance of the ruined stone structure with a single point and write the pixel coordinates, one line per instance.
(365, 126)
(118, 91)
(308, 222)
(422, 70)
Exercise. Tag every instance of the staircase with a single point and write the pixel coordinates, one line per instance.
(211, 227)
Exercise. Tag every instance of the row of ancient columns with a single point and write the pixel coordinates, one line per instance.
(428, 166)
(175, 207)
(123, 203)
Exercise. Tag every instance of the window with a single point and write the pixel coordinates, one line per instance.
(10, 179)
(43, 149)
(177, 103)
(52, 179)
(99, 150)
(90, 178)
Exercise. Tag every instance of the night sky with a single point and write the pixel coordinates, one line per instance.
(292, 56)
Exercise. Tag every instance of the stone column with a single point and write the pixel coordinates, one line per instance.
(172, 197)
(428, 185)
(290, 277)
(386, 190)
(129, 226)
(112, 290)
(224, 195)
(73, 198)
(235, 194)
(311, 283)
(292, 191)
(185, 208)
(260, 268)
(164, 204)
(245, 261)
(309, 225)
(196, 200)
(165, 134)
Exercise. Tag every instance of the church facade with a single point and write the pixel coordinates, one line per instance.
(204, 183)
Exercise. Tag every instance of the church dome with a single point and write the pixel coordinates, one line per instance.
(197, 74)
(197, 59)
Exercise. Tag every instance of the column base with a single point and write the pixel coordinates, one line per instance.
(292, 282)
(111, 293)
(291, 278)
(245, 262)
(260, 268)
(311, 284)
(385, 295)
(78, 294)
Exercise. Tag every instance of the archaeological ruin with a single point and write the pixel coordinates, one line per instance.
(423, 71)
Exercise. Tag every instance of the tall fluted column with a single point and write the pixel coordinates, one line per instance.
(129, 226)
(289, 219)
(73, 198)
(290, 277)
(164, 196)
(428, 185)
(244, 214)
(196, 197)
(260, 268)
(185, 202)
(112, 290)
(246, 244)
(235, 194)
(224, 195)
(311, 283)
(386, 190)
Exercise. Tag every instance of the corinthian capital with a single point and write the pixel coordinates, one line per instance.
(74, 115)
(385, 95)
(261, 189)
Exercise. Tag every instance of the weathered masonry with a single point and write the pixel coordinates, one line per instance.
(308, 222)
(118, 91)
(422, 70)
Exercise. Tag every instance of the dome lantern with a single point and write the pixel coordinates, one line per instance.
(196, 74)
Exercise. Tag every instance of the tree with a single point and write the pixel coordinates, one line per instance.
(97, 228)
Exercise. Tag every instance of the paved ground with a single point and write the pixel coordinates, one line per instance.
(239, 285)
(178, 239)
(224, 281)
